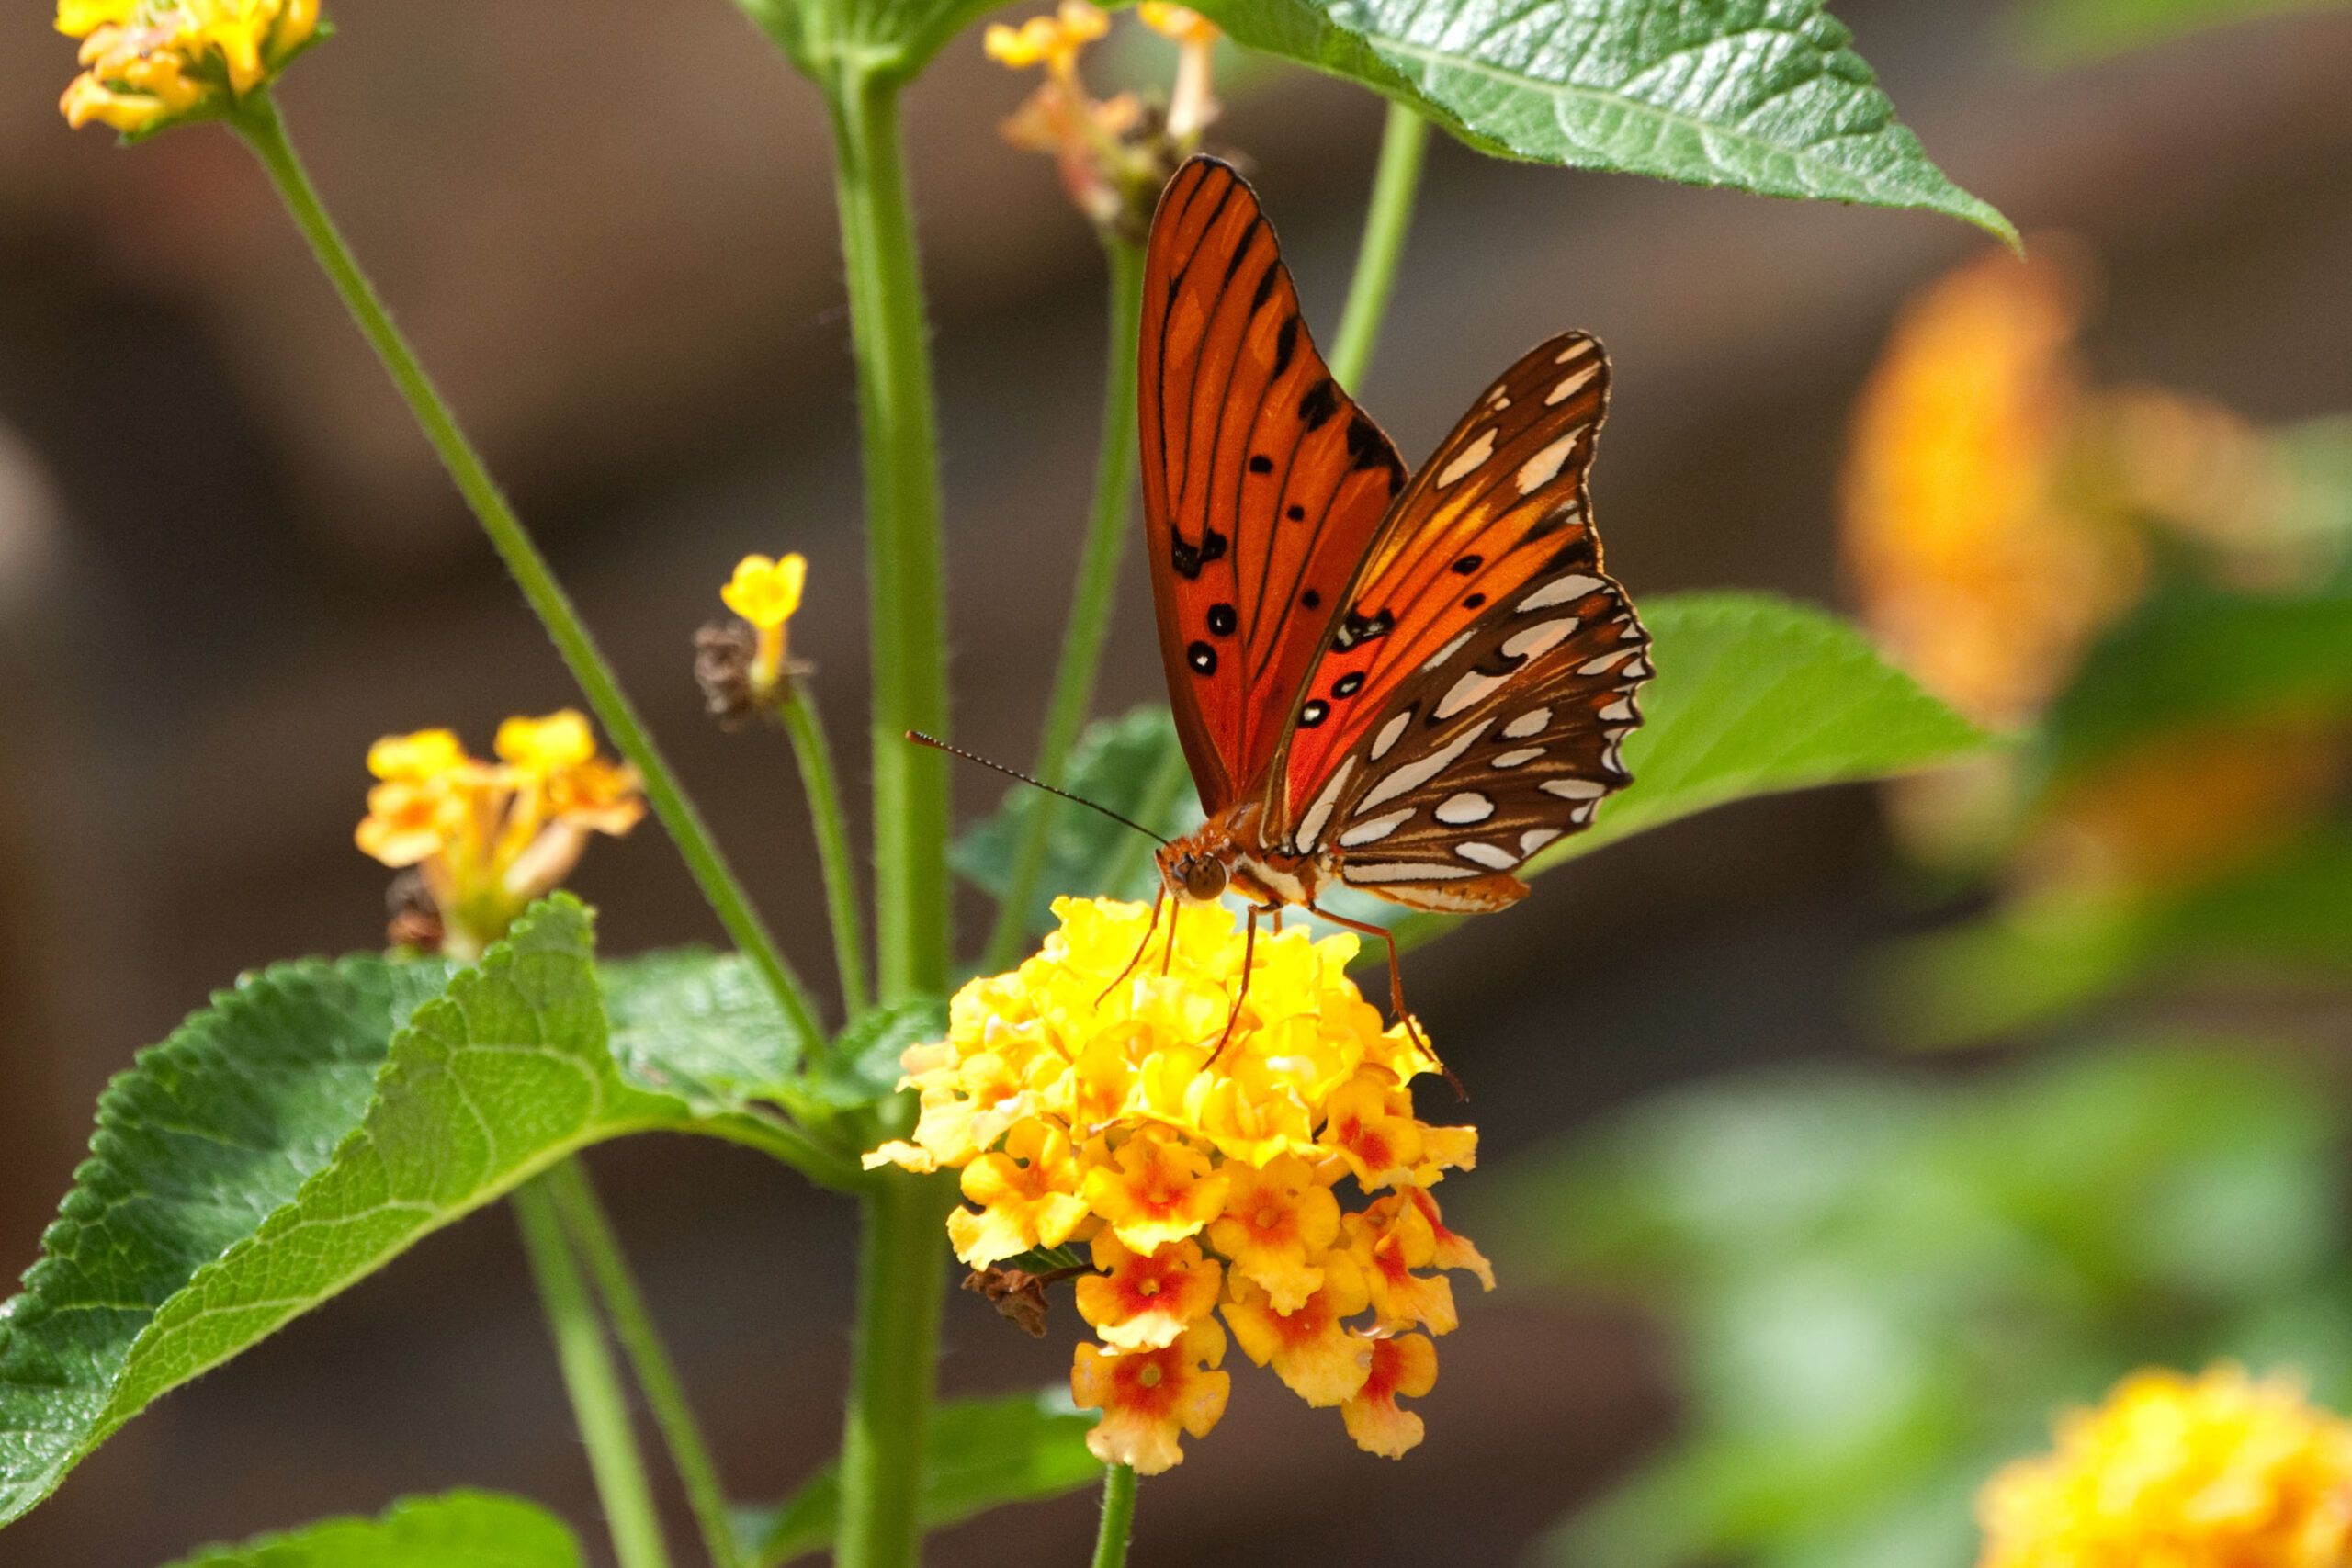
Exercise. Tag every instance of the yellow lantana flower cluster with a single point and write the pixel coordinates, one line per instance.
(148, 64)
(1087, 1102)
(2220, 1471)
(486, 838)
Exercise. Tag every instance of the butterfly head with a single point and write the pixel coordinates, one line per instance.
(1194, 870)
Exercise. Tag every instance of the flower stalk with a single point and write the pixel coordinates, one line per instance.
(1404, 143)
(1118, 1524)
(257, 120)
(1091, 600)
(836, 859)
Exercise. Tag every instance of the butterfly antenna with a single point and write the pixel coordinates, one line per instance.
(920, 739)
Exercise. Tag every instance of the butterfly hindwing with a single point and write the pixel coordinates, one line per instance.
(1469, 705)
(1263, 482)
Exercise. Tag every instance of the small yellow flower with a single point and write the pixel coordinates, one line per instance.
(2216, 1471)
(1147, 1397)
(1190, 105)
(767, 593)
(1054, 41)
(148, 64)
(1084, 1097)
(487, 838)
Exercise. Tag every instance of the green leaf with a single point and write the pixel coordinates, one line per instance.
(1762, 96)
(861, 1069)
(984, 1453)
(304, 1131)
(703, 1025)
(1134, 766)
(2192, 654)
(1754, 695)
(2068, 31)
(458, 1530)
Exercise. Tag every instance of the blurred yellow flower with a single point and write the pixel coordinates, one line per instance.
(487, 838)
(2216, 1471)
(767, 593)
(151, 64)
(1052, 42)
(1974, 572)
(1085, 1098)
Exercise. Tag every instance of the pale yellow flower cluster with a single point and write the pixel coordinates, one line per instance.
(151, 64)
(1087, 1099)
(2216, 1471)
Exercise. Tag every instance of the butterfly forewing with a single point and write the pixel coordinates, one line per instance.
(1469, 704)
(1263, 482)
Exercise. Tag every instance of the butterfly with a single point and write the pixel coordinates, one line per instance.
(1404, 683)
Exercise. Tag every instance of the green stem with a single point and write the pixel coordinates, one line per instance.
(901, 1275)
(598, 1401)
(834, 858)
(257, 121)
(1402, 144)
(905, 555)
(1118, 1517)
(593, 1238)
(1090, 602)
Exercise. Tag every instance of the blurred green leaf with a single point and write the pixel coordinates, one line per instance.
(2064, 32)
(319, 1120)
(1763, 96)
(1754, 695)
(2194, 655)
(862, 1069)
(458, 1530)
(1133, 765)
(2030, 965)
(1882, 1286)
(984, 1453)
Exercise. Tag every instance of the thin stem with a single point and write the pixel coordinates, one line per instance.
(906, 558)
(257, 121)
(835, 859)
(599, 1404)
(1403, 142)
(1090, 609)
(901, 1275)
(657, 1375)
(1118, 1517)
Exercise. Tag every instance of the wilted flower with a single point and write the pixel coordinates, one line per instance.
(1087, 1102)
(2216, 1471)
(148, 64)
(487, 838)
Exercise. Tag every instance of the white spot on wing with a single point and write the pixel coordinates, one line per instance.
(1618, 711)
(1310, 826)
(1519, 757)
(1402, 871)
(1639, 670)
(1470, 689)
(1494, 857)
(1449, 651)
(1575, 350)
(1600, 666)
(1559, 591)
(1574, 789)
(1535, 839)
(1536, 639)
(1544, 467)
(1413, 776)
(1390, 733)
(1462, 809)
(1379, 827)
(1531, 722)
(1570, 385)
(1468, 458)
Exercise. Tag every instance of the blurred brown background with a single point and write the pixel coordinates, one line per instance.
(227, 562)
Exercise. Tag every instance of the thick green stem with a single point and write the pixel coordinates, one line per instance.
(599, 1404)
(835, 859)
(906, 558)
(901, 1275)
(258, 122)
(1118, 1517)
(657, 1375)
(1090, 609)
(1402, 146)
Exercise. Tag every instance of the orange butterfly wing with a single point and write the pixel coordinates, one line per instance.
(1264, 483)
(1468, 705)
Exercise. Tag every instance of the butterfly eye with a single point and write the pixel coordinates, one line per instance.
(1204, 878)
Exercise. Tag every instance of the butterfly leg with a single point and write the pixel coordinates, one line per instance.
(1142, 947)
(1396, 990)
(1248, 953)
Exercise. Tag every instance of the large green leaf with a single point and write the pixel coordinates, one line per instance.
(458, 1530)
(984, 1453)
(1763, 96)
(1754, 695)
(309, 1126)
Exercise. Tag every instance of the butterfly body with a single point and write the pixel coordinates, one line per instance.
(1407, 682)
